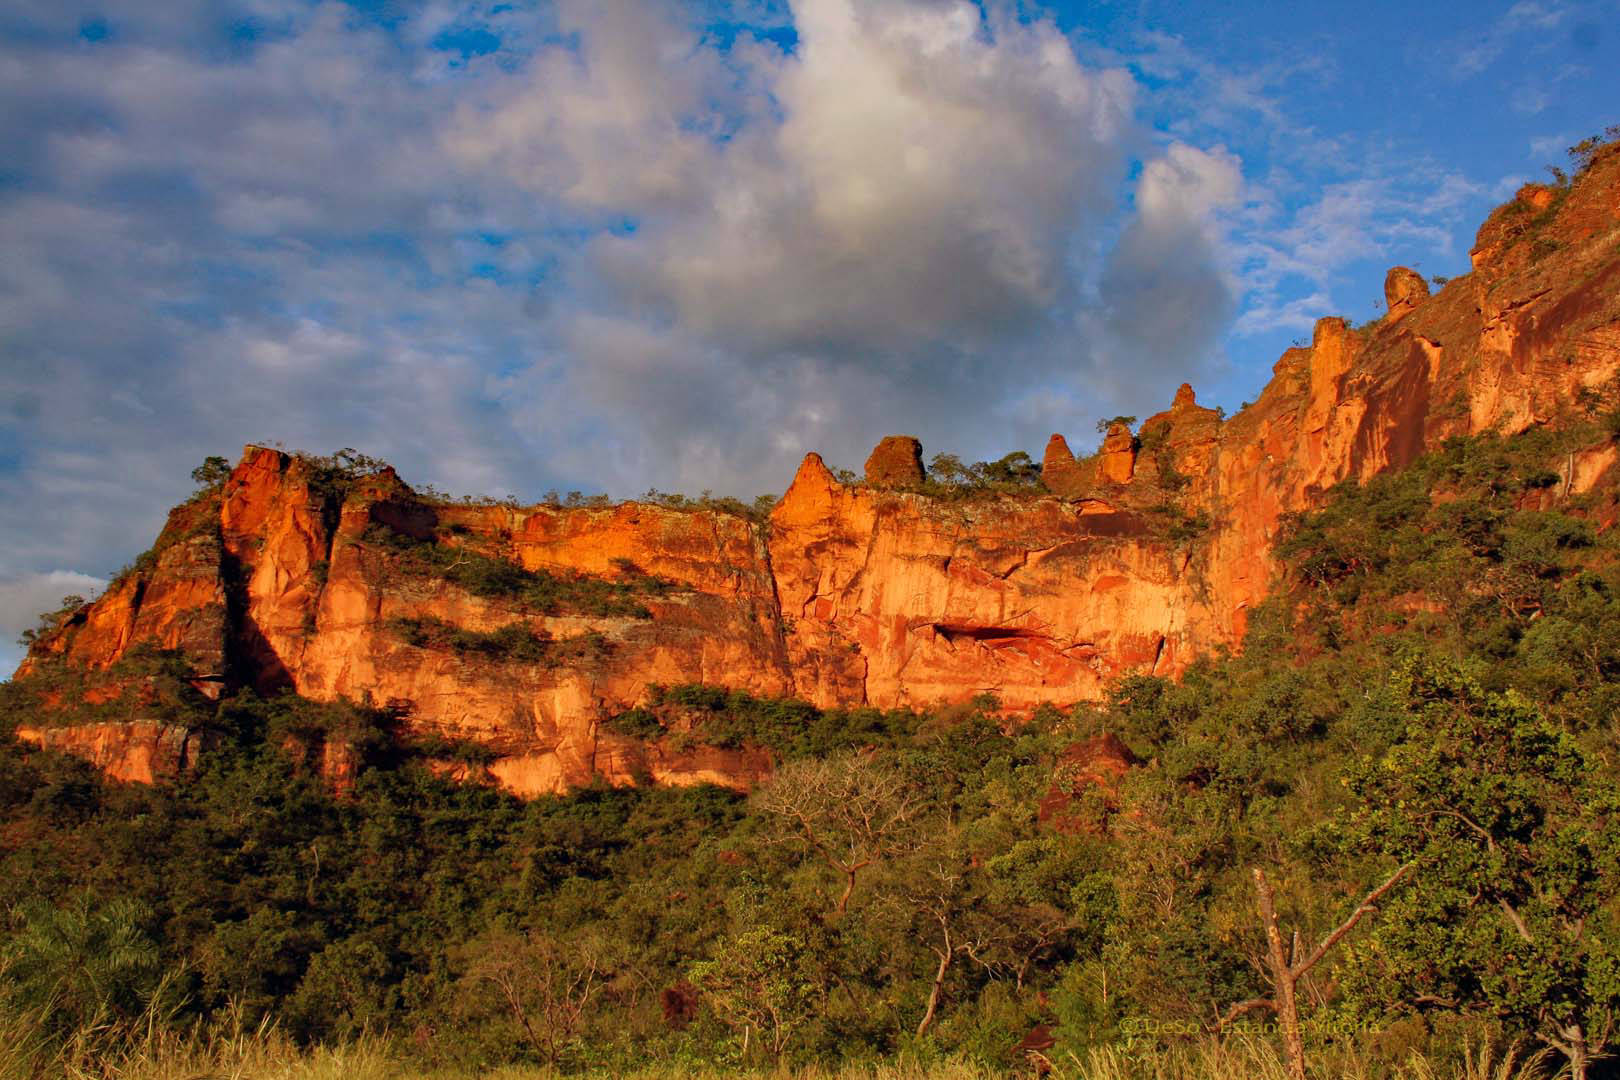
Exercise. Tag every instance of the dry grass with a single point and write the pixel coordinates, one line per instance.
(267, 1054)
(1249, 1059)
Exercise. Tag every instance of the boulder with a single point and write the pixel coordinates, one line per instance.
(1404, 289)
(1061, 474)
(896, 462)
(1099, 762)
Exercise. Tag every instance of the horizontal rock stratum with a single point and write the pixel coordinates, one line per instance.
(1139, 559)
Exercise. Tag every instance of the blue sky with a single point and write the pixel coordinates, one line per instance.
(522, 246)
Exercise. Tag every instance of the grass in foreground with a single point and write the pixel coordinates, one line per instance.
(268, 1054)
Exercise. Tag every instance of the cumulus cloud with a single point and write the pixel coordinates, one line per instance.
(891, 225)
(909, 173)
(599, 246)
(1166, 289)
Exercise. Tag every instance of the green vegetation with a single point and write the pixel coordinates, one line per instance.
(1429, 699)
(196, 518)
(514, 642)
(497, 578)
(212, 473)
(734, 718)
(1584, 153)
(1014, 474)
(757, 511)
(1177, 525)
(151, 683)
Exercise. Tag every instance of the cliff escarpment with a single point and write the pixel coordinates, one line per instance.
(526, 629)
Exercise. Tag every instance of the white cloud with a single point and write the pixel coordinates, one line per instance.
(908, 174)
(894, 226)
(1166, 288)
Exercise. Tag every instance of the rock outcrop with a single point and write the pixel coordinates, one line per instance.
(143, 751)
(896, 462)
(1118, 460)
(1094, 767)
(1138, 559)
(1060, 473)
(1180, 443)
(1404, 290)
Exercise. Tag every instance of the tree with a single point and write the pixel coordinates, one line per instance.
(50, 620)
(756, 982)
(1286, 969)
(1109, 421)
(848, 809)
(940, 894)
(1515, 837)
(212, 472)
(1016, 469)
(1583, 153)
(948, 469)
(545, 984)
(89, 972)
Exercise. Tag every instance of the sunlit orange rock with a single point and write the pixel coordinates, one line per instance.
(1404, 290)
(1118, 460)
(896, 462)
(142, 751)
(1060, 472)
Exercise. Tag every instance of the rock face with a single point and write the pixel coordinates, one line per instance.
(1140, 559)
(1118, 462)
(143, 751)
(896, 462)
(1404, 290)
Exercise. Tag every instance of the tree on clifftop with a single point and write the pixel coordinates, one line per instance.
(212, 472)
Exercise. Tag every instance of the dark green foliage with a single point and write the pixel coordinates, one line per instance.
(212, 472)
(156, 683)
(637, 723)
(1514, 836)
(369, 730)
(90, 971)
(757, 511)
(332, 475)
(1013, 474)
(1176, 524)
(445, 748)
(792, 728)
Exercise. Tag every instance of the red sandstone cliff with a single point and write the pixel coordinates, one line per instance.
(1140, 558)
